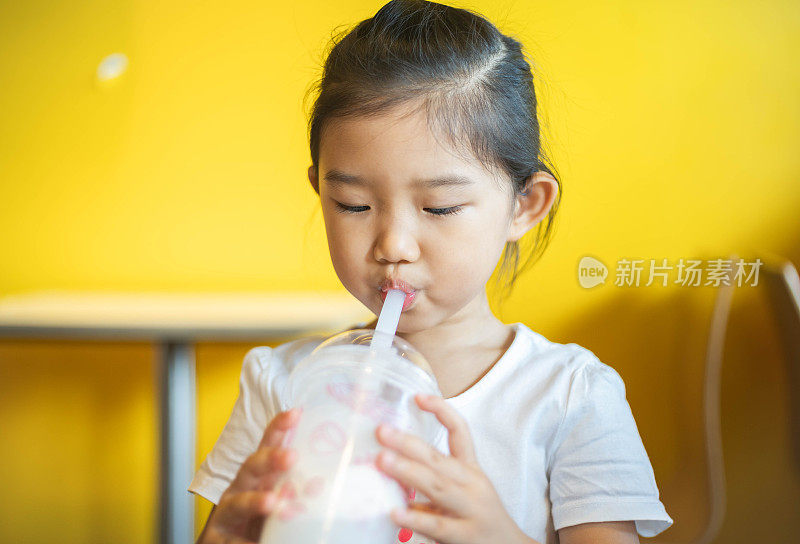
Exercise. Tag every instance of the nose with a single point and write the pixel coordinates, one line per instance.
(396, 242)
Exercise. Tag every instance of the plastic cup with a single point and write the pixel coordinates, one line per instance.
(334, 493)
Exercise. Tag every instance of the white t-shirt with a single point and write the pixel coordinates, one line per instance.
(551, 427)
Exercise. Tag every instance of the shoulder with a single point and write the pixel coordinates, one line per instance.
(567, 364)
(279, 359)
(284, 357)
(265, 370)
(288, 352)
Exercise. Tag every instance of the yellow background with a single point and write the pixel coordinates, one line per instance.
(674, 126)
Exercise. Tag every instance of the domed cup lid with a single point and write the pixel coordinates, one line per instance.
(363, 337)
(394, 362)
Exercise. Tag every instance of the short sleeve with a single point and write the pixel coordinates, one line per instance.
(600, 470)
(243, 431)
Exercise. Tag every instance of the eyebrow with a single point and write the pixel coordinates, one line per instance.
(339, 178)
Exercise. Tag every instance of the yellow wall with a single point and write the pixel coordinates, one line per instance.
(674, 127)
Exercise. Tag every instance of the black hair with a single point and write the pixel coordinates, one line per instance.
(474, 83)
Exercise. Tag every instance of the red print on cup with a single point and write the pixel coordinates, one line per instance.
(291, 506)
(314, 486)
(362, 400)
(287, 491)
(292, 501)
(290, 510)
(327, 438)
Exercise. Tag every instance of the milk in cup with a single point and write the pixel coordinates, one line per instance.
(334, 493)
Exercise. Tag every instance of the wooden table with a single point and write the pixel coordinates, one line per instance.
(175, 321)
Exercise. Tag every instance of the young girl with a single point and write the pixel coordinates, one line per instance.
(428, 163)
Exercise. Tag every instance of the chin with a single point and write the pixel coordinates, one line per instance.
(412, 322)
(405, 327)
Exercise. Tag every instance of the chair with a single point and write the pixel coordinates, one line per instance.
(782, 282)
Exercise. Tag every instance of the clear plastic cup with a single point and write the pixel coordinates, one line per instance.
(334, 493)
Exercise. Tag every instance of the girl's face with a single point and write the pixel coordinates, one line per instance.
(398, 205)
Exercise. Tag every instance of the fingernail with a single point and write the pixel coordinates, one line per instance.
(400, 514)
(387, 431)
(283, 458)
(388, 457)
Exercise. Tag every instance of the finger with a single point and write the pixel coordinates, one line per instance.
(429, 522)
(459, 439)
(441, 491)
(408, 492)
(415, 448)
(277, 429)
(236, 508)
(262, 469)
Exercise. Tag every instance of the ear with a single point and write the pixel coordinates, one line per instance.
(533, 205)
(312, 178)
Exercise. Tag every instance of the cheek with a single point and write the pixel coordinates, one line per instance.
(465, 260)
(346, 253)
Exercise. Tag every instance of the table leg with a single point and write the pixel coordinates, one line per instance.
(177, 412)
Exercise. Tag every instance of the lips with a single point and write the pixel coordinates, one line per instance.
(393, 283)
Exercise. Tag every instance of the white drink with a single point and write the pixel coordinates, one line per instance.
(351, 508)
(334, 493)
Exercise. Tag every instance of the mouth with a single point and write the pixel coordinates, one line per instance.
(409, 290)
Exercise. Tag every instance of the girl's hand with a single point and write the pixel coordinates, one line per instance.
(464, 507)
(243, 507)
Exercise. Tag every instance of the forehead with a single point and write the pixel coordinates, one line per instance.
(398, 146)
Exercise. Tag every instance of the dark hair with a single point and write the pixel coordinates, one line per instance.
(473, 82)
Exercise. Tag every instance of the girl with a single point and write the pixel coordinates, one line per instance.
(428, 163)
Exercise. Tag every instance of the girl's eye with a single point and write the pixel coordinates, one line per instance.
(343, 208)
(350, 209)
(444, 211)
